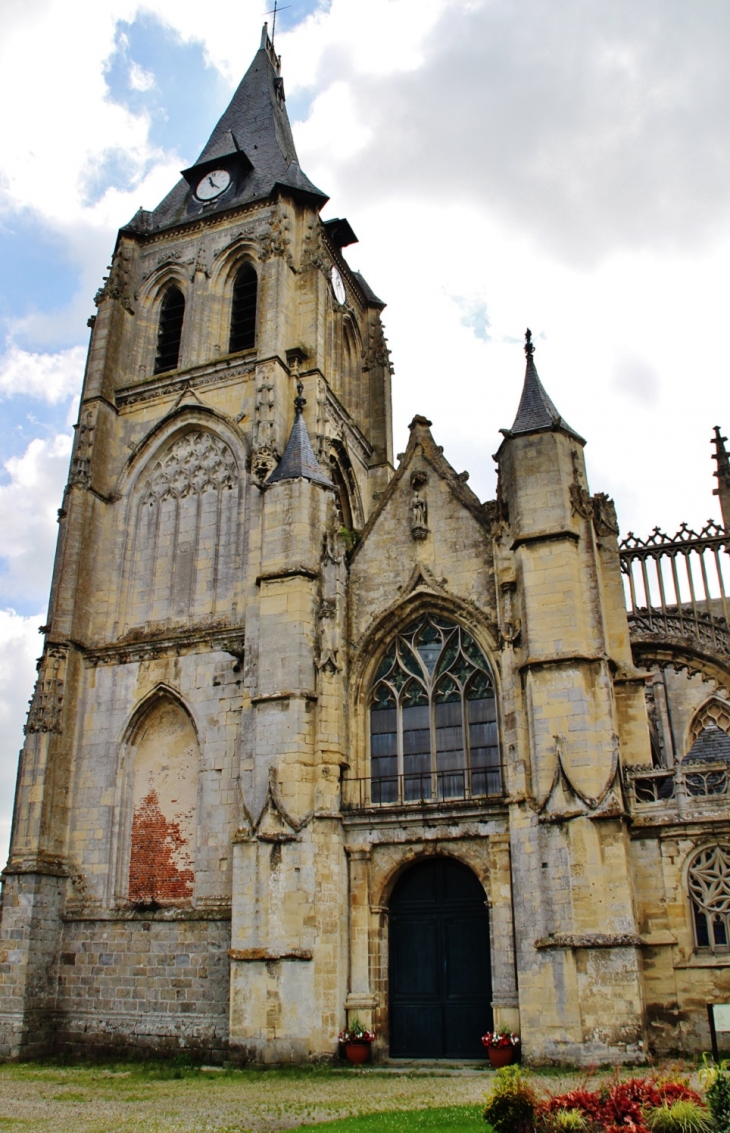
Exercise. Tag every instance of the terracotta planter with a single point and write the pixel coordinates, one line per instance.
(500, 1055)
(357, 1053)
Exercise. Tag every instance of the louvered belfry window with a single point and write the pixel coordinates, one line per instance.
(172, 312)
(433, 718)
(243, 310)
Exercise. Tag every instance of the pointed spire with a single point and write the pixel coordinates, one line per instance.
(536, 410)
(299, 461)
(722, 473)
(252, 143)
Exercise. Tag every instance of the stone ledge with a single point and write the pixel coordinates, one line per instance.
(287, 694)
(589, 940)
(288, 572)
(543, 536)
(253, 955)
(222, 913)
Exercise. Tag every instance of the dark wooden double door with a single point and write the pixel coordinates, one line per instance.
(440, 971)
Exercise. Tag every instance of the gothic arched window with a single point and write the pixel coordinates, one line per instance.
(433, 718)
(169, 334)
(709, 890)
(243, 310)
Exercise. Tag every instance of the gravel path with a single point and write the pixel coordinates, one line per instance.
(94, 1100)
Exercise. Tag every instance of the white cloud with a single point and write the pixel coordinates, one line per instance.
(139, 79)
(48, 377)
(20, 646)
(28, 518)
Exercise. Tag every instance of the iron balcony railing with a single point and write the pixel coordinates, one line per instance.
(676, 588)
(422, 788)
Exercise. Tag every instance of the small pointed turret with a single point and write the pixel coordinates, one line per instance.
(299, 461)
(249, 154)
(536, 410)
(722, 472)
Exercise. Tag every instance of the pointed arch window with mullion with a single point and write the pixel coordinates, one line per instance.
(433, 718)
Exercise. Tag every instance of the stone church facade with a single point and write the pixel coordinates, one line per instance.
(317, 733)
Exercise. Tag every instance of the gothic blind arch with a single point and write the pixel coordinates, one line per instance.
(349, 364)
(244, 296)
(708, 883)
(433, 717)
(169, 331)
(183, 546)
(165, 765)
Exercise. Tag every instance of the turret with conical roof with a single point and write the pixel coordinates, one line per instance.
(561, 577)
(536, 411)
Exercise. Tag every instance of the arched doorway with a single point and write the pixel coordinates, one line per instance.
(440, 969)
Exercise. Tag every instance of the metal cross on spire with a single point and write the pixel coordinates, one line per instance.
(277, 8)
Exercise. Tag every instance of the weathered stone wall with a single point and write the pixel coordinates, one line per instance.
(143, 984)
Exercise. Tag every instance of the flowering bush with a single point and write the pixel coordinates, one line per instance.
(356, 1033)
(623, 1106)
(500, 1039)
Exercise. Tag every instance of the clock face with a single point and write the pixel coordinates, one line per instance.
(338, 286)
(213, 184)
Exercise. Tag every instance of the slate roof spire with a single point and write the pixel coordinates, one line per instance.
(299, 461)
(536, 411)
(252, 141)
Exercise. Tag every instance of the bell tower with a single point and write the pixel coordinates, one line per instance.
(184, 742)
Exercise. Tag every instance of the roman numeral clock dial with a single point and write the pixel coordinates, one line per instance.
(213, 184)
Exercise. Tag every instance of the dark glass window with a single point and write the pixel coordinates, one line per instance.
(172, 313)
(243, 310)
(433, 718)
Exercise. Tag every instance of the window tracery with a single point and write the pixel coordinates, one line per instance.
(433, 717)
(715, 712)
(709, 890)
(198, 461)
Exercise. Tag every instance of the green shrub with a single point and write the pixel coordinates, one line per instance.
(717, 1083)
(511, 1105)
(566, 1121)
(679, 1117)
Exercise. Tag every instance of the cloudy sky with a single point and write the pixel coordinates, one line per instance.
(562, 165)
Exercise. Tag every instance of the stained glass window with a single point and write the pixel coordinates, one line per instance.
(433, 718)
(709, 890)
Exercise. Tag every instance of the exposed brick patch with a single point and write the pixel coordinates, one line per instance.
(160, 854)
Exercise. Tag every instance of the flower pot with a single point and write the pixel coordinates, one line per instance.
(500, 1055)
(357, 1053)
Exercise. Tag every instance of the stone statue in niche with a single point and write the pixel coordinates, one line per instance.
(419, 508)
(329, 637)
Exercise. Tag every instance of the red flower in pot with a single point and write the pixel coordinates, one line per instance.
(356, 1041)
(501, 1047)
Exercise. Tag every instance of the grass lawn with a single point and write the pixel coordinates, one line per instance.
(456, 1118)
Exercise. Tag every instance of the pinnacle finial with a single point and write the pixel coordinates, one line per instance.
(529, 348)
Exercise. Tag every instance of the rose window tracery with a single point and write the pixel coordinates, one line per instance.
(433, 718)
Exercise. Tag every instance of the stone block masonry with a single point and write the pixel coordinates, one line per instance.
(148, 984)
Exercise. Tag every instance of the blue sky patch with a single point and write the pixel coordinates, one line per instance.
(35, 272)
(153, 71)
